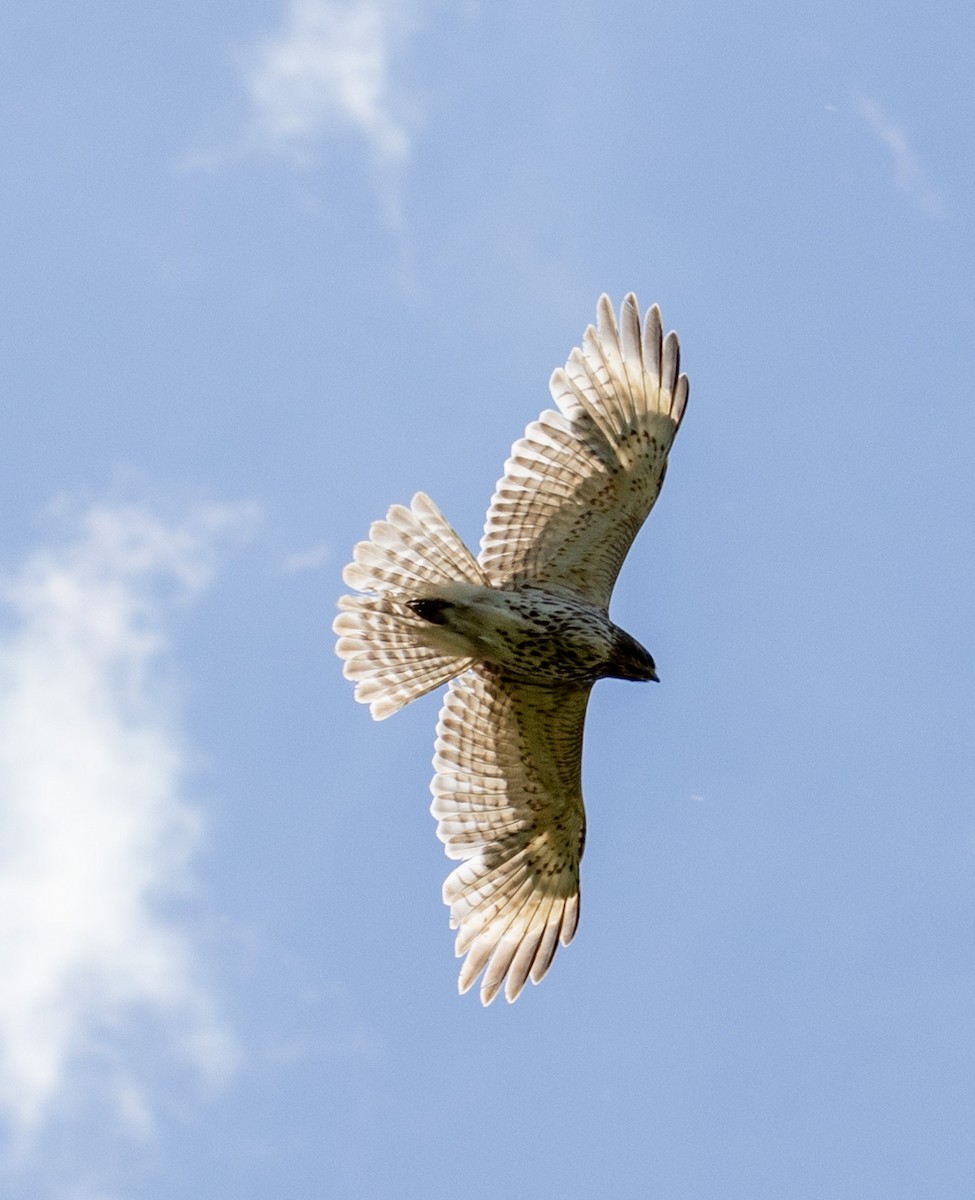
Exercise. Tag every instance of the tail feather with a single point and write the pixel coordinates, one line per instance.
(410, 555)
(412, 549)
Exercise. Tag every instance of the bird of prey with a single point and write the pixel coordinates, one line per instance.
(521, 633)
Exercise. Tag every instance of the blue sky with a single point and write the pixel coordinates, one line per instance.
(271, 267)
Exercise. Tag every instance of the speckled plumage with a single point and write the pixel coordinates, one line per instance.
(521, 634)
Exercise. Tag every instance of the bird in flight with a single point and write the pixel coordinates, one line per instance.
(521, 633)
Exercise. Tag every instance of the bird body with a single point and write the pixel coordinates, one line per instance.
(521, 633)
(532, 636)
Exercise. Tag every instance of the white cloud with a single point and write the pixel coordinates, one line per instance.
(330, 66)
(96, 835)
(909, 174)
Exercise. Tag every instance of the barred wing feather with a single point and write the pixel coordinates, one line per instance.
(580, 483)
(507, 795)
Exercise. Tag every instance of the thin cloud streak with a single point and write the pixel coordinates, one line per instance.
(96, 832)
(330, 66)
(909, 174)
(306, 560)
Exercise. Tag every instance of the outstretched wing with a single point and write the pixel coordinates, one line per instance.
(508, 797)
(581, 482)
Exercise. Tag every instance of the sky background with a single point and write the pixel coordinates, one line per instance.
(272, 266)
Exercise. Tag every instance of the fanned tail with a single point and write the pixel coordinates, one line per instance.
(387, 647)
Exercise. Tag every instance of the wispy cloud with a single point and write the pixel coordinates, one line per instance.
(909, 174)
(97, 833)
(306, 560)
(330, 67)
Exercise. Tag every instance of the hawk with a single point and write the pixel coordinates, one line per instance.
(521, 633)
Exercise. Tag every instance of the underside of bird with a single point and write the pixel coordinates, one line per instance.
(520, 634)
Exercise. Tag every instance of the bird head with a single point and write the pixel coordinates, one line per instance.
(629, 660)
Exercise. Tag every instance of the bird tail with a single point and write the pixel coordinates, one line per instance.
(386, 645)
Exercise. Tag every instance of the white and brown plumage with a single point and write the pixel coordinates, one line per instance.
(522, 633)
